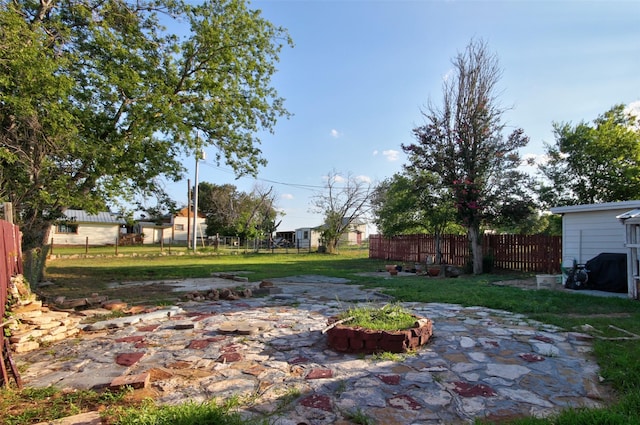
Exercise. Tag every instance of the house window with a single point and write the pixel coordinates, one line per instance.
(67, 228)
(179, 227)
(305, 235)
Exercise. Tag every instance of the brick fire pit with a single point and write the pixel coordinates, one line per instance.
(350, 339)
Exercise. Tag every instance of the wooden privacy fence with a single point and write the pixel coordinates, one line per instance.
(11, 260)
(527, 253)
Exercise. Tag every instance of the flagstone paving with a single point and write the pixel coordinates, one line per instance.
(479, 363)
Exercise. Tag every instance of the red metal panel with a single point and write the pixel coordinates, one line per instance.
(11, 261)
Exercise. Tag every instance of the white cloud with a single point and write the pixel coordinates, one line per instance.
(365, 179)
(633, 109)
(337, 178)
(375, 152)
(335, 133)
(286, 196)
(391, 155)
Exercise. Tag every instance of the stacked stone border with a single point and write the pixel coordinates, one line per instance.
(348, 339)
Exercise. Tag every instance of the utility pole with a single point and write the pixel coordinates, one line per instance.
(188, 213)
(199, 155)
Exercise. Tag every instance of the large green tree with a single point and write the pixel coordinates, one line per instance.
(409, 203)
(395, 207)
(221, 205)
(462, 142)
(98, 100)
(592, 163)
(230, 212)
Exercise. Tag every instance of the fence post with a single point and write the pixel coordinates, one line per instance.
(116, 245)
(86, 246)
(8, 212)
(51, 249)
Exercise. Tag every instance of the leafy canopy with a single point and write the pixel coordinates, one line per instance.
(230, 212)
(593, 163)
(408, 204)
(98, 100)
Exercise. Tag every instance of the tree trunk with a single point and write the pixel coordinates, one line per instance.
(476, 248)
(332, 246)
(35, 234)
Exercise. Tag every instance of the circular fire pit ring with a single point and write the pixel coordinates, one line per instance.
(349, 339)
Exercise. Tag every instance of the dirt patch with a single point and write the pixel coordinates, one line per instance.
(134, 294)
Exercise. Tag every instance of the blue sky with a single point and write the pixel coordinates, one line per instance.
(362, 72)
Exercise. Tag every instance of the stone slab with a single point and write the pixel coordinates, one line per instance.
(138, 381)
(89, 418)
(122, 322)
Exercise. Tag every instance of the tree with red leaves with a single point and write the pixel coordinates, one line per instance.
(463, 144)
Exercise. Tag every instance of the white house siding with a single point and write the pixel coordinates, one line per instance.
(585, 235)
(91, 233)
(180, 226)
(356, 236)
(589, 230)
(312, 239)
(102, 228)
(153, 233)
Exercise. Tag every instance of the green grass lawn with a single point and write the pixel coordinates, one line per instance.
(619, 359)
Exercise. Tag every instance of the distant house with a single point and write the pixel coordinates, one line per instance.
(358, 232)
(153, 232)
(78, 227)
(182, 226)
(309, 237)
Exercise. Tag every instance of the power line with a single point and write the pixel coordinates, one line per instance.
(296, 185)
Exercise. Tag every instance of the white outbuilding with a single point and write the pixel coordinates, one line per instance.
(592, 229)
(78, 227)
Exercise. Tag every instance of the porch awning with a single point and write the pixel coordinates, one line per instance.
(630, 217)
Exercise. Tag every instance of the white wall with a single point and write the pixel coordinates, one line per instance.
(186, 223)
(351, 237)
(153, 234)
(586, 234)
(98, 234)
(311, 241)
